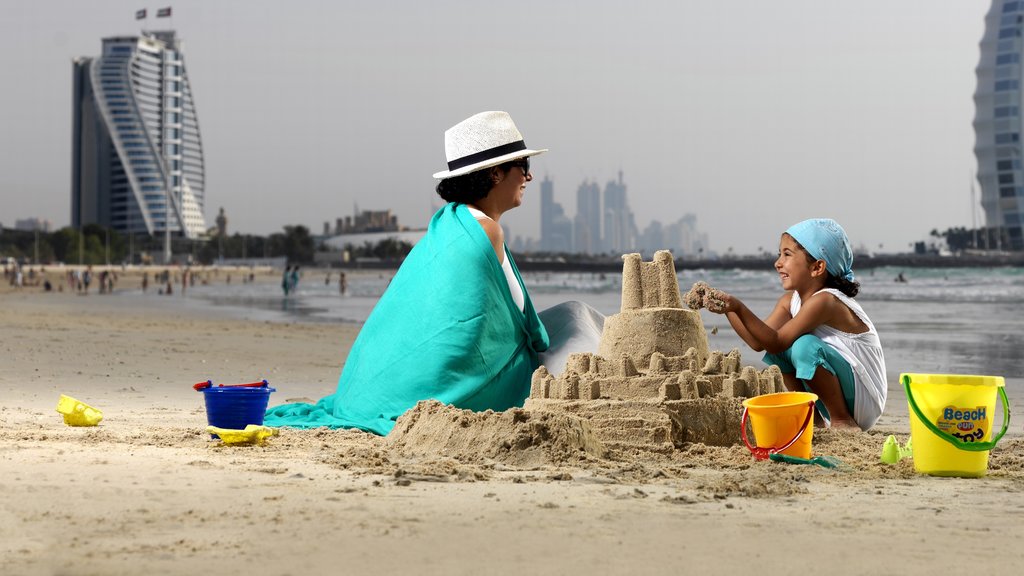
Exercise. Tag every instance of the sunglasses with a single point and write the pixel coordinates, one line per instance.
(521, 163)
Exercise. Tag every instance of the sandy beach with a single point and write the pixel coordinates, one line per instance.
(148, 491)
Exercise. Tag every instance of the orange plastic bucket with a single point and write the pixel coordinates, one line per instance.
(782, 423)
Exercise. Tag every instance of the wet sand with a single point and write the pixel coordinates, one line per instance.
(148, 491)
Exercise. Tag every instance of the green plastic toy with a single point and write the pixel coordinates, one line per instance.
(823, 461)
(892, 452)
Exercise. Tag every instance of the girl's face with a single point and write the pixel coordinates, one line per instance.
(796, 269)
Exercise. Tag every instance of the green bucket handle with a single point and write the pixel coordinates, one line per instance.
(968, 447)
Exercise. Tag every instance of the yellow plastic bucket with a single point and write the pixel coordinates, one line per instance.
(782, 423)
(951, 421)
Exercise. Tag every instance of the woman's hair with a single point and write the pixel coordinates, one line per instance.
(469, 188)
(849, 287)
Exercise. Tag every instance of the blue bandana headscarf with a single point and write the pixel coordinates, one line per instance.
(824, 239)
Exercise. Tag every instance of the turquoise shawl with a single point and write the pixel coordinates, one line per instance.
(446, 328)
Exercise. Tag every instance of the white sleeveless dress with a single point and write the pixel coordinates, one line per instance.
(864, 354)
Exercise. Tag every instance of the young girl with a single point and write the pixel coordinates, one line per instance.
(817, 334)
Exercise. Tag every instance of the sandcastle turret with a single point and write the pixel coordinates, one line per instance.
(652, 318)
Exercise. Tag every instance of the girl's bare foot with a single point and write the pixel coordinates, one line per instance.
(845, 425)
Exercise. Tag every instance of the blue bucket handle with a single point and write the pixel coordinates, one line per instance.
(957, 443)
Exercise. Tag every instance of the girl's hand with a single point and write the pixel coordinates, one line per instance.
(720, 302)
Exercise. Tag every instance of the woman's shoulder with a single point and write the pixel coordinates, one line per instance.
(492, 229)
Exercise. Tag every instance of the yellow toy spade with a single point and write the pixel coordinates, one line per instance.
(252, 434)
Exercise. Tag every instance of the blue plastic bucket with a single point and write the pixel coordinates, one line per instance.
(235, 407)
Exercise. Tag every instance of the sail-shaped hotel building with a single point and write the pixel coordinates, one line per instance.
(137, 157)
(998, 101)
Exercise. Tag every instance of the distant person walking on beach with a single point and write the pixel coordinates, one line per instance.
(145, 281)
(293, 279)
(817, 334)
(342, 284)
(286, 283)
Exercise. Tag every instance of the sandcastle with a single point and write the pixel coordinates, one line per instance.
(653, 384)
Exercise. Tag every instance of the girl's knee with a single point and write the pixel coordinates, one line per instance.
(775, 360)
(807, 350)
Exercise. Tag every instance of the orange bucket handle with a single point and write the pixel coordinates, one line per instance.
(764, 453)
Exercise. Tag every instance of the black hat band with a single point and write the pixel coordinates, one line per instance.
(485, 155)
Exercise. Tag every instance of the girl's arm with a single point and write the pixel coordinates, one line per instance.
(780, 330)
(745, 323)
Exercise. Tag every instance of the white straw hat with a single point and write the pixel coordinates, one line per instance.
(481, 141)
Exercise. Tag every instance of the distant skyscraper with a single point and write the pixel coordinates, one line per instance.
(555, 227)
(997, 120)
(547, 211)
(222, 223)
(684, 239)
(588, 218)
(135, 139)
(619, 226)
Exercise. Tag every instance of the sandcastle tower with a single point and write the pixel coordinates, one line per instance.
(652, 319)
(654, 384)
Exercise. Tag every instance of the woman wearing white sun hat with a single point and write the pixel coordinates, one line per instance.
(456, 324)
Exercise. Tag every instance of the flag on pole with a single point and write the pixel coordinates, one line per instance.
(163, 12)
(140, 14)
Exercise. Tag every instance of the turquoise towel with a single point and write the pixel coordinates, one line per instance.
(445, 329)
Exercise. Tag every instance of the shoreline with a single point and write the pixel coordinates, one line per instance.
(528, 262)
(576, 263)
(147, 490)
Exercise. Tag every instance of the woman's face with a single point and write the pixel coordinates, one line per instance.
(511, 185)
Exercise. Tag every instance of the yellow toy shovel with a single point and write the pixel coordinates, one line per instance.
(253, 434)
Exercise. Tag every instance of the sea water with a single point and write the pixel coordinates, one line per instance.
(941, 320)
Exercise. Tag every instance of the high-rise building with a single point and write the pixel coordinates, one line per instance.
(997, 120)
(587, 224)
(222, 223)
(547, 201)
(137, 158)
(555, 226)
(619, 226)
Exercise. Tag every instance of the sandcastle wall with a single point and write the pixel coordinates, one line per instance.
(654, 384)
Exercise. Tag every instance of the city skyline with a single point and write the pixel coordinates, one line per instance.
(749, 115)
(611, 229)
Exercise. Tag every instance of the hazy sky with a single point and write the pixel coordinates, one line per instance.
(752, 114)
